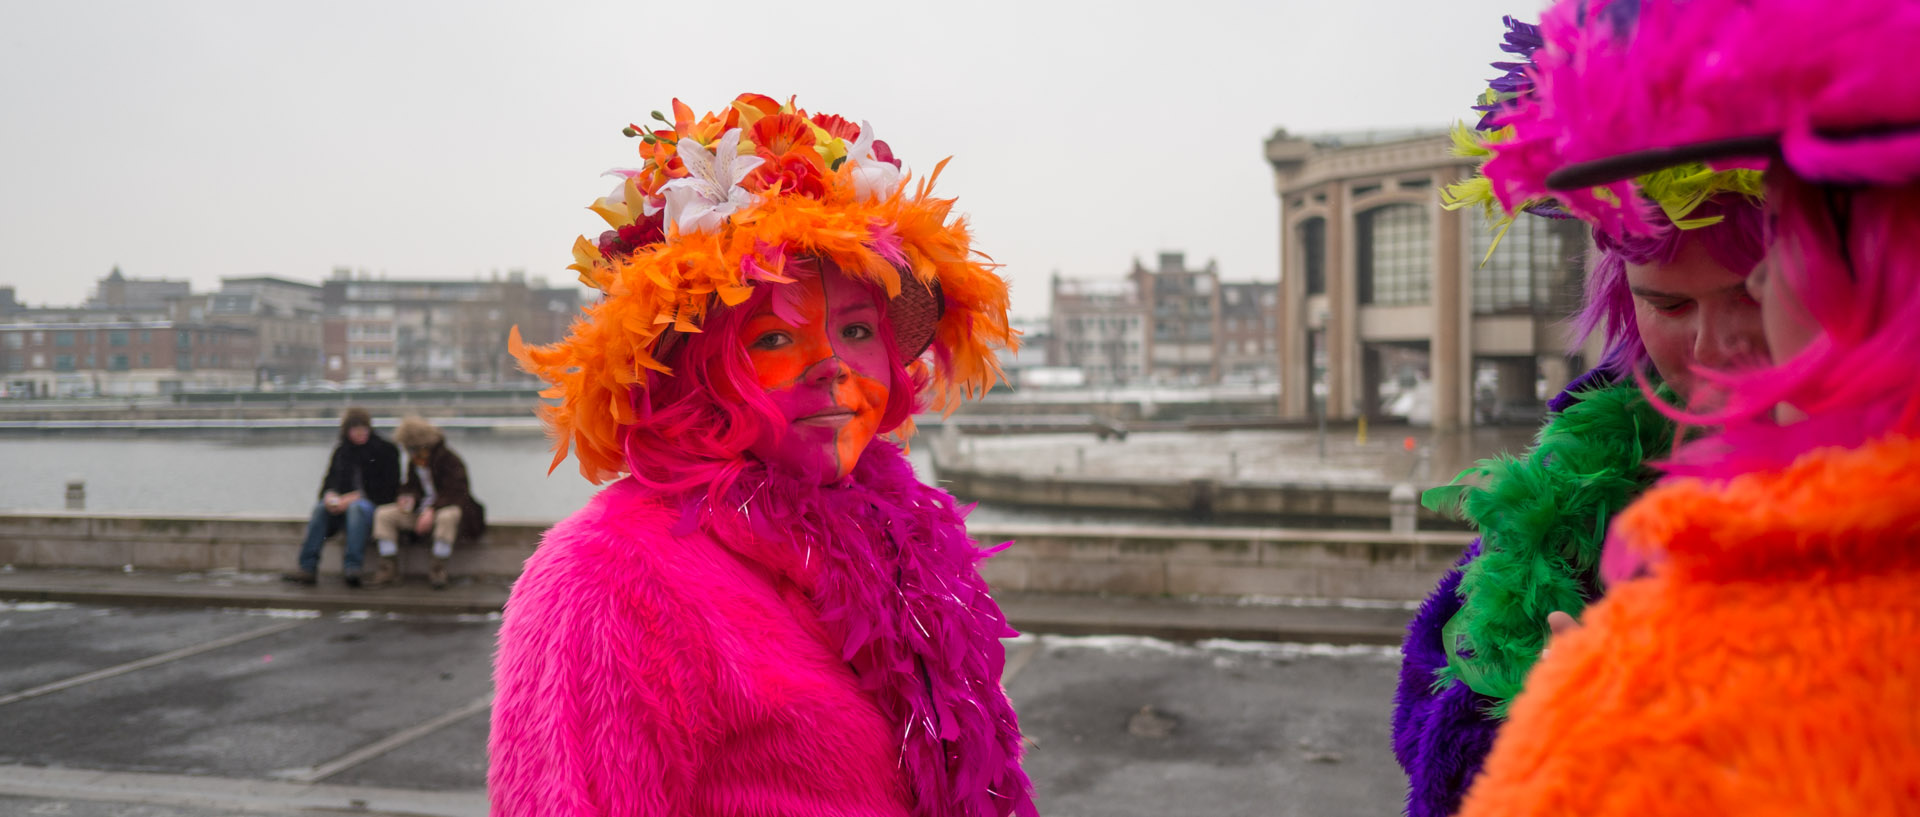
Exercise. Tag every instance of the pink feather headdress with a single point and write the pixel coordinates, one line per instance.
(1625, 87)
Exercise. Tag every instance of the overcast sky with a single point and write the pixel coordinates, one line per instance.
(447, 139)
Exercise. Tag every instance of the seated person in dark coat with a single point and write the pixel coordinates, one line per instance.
(363, 474)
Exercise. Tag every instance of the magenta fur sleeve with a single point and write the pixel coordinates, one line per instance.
(587, 718)
(647, 669)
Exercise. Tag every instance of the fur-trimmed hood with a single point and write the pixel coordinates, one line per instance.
(416, 432)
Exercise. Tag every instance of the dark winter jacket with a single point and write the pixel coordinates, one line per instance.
(450, 489)
(378, 462)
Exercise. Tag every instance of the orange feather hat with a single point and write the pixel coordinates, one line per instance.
(720, 205)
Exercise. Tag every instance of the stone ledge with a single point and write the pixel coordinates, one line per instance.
(1123, 559)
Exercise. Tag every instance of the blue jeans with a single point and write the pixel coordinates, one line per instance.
(358, 521)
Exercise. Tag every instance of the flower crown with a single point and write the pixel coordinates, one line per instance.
(1510, 122)
(722, 204)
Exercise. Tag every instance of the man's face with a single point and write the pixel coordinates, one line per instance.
(818, 355)
(1694, 312)
(358, 435)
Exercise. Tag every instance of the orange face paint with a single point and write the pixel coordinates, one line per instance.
(818, 355)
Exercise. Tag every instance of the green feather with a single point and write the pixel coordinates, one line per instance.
(1543, 521)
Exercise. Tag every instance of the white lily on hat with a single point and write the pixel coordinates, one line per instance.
(701, 202)
(872, 178)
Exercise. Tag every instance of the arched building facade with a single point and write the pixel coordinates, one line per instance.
(1392, 304)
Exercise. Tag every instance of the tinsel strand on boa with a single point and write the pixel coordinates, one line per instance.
(887, 563)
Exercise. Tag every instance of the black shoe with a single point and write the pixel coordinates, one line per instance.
(300, 577)
(352, 577)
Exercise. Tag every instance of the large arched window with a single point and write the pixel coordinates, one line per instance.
(1534, 268)
(1395, 247)
(1312, 235)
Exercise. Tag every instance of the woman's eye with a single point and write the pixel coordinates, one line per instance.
(771, 341)
(858, 331)
(1670, 307)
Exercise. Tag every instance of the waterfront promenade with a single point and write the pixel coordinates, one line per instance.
(220, 691)
(159, 668)
(320, 705)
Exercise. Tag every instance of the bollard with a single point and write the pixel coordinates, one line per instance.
(76, 495)
(1403, 504)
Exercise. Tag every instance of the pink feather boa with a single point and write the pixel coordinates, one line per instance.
(887, 563)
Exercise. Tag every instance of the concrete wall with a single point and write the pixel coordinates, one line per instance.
(1307, 505)
(1220, 561)
(1060, 558)
(246, 543)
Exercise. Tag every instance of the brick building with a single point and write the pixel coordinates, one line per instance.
(1165, 324)
(1100, 328)
(435, 331)
(1249, 332)
(119, 293)
(284, 316)
(124, 358)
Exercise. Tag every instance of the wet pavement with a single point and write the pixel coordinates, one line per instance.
(169, 712)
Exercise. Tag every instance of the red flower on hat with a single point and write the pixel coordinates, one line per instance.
(786, 142)
(798, 172)
(837, 125)
(623, 241)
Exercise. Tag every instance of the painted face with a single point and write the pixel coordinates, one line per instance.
(1694, 312)
(818, 354)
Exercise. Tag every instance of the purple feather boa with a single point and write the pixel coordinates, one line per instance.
(1440, 736)
(888, 565)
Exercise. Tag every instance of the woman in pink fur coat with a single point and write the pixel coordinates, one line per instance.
(766, 613)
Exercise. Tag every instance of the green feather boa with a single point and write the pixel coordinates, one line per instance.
(1543, 521)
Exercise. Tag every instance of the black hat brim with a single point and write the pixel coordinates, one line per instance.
(1641, 162)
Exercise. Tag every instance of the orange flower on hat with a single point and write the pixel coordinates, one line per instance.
(786, 141)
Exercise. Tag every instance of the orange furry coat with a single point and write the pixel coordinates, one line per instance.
(1768, 665)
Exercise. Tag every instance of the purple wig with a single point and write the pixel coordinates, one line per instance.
(1737, 241)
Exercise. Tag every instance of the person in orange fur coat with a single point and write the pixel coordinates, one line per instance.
(1758, 650)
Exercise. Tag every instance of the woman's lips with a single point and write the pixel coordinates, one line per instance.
(830, 417)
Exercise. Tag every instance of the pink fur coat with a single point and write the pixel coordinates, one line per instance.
(646, 668)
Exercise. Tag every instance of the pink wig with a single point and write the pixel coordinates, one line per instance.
(1852, 256)
(1738, 241)
(693, 427)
